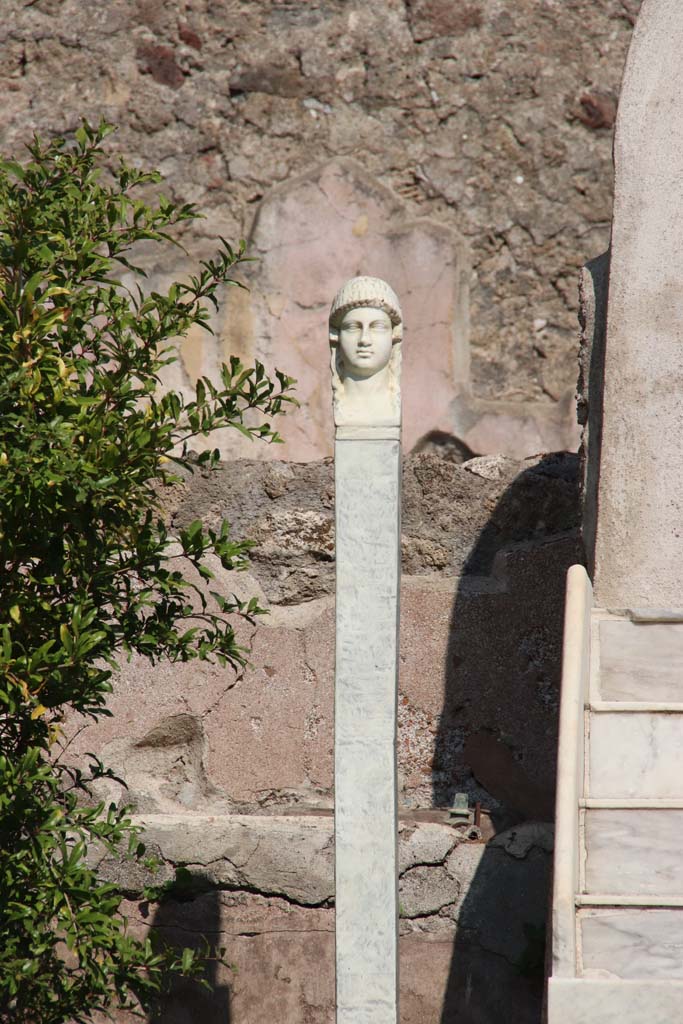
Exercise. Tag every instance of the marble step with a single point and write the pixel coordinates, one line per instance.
(634, 852)
(640, 660)
(614, 1001)
(635, 755)
(631, 943)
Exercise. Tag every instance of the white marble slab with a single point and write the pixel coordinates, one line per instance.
(634, 852)
(367, 475)
(633, 943)
(636, 755)
(641, 661)
(581, 1001)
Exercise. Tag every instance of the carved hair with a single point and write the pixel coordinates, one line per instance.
(366, 291)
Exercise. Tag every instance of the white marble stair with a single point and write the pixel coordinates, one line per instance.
(618, 886)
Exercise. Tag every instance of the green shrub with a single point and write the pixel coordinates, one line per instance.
(87, 572)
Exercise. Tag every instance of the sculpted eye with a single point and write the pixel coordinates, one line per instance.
(379, 325)
(351, 325)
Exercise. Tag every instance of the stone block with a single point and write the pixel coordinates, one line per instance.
(277, 856)
(613, 1001)
(636, 756)
(198, 736)
(641, 661)
(426, 890)
(426, 843)
(634, 852)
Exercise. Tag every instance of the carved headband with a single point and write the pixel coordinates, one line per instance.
(365, 291)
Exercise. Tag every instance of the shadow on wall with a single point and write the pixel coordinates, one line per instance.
(501, 693)
(502, 678)
(192, 921)
(593, 293)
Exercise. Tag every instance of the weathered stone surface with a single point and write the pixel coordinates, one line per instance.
(428, 843)
(277, 856)
(470, 952)
(475, 986)
(287, 509)
(280, 956)
(504, 898)
(280, 855)
(454, 516)
(478, 664)
(475, 115)
(520, 840)
(426, 890)
(199, 737)
(476, 714)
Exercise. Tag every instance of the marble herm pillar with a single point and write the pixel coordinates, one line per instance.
(365, 334)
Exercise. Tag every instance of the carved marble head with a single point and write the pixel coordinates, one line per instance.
(365, 331)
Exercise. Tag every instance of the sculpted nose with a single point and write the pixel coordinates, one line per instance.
(365, 336)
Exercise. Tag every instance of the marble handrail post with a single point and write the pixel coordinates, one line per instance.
(365, 336)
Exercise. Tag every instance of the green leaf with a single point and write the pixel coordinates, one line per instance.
(12, 168)
(92, 572)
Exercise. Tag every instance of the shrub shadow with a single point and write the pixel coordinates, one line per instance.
(192, 919)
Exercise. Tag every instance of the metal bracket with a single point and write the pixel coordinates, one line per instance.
(460, 813)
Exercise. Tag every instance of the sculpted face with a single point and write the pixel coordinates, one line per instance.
(365, 339)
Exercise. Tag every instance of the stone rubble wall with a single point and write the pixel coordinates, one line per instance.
(461, 150)
(231, 773)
